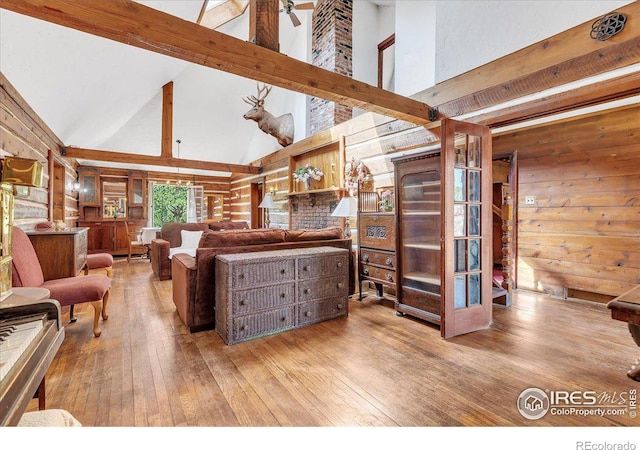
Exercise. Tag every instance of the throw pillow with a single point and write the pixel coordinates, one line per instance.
(190, 239)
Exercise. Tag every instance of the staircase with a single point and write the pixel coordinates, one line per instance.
(500, 295)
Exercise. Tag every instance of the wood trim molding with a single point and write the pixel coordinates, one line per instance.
(131, 158)
(135, 24)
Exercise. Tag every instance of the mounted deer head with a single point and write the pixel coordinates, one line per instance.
(279, 127)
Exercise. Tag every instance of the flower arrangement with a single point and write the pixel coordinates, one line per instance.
(386, 200)
(307, 173)
(356, 174)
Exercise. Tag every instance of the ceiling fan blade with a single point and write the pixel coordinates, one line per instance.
(284, 3)
(308, 5)
(294, 19)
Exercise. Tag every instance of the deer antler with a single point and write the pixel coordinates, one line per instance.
(261, 90)
(257, 101)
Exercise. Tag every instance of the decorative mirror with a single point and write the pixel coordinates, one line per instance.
(114, 199)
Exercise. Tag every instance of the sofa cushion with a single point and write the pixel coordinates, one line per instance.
(228, 225)
(189, 251)
(190, 239)
(313, 235)
(171, 231)
(212, 239)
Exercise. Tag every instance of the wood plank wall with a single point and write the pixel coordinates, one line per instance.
(370, 138)
(582, 232)
(23, 134)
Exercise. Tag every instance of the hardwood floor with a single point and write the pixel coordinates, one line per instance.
(370, 369)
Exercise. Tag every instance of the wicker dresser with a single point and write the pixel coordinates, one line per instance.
(263, 293)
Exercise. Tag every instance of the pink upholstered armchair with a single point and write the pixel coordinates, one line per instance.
(26, 271)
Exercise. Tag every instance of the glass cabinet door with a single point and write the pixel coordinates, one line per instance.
(420, 230)
(90, 189)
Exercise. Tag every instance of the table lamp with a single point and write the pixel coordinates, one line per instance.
(348, 207)
(267, 203)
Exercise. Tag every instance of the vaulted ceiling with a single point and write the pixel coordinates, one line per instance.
(100, 94)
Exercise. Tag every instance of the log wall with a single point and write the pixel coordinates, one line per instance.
(581, 233)
(24, 135)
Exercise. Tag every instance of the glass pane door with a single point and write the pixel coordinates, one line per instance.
(467, 234)
(466, 221)
(421, 224)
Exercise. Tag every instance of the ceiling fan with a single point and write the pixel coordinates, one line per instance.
(289, 6)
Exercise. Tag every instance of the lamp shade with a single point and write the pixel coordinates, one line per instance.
(267, 202)
(348, 207)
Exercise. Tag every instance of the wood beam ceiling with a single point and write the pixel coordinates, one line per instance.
(138, 25)
(264, 23)
(128, 158)
(593, 94)
(167, 121)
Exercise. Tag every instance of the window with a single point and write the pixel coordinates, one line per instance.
(386, 63)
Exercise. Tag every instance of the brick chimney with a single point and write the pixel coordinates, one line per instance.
(332, 50)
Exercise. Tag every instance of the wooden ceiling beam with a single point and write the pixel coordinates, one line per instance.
(167, 121)
(566, 57)
(131, 158)
(135, 24)
(593, 94)
(264, 23)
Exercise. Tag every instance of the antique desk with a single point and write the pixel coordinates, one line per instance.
(626, 308)
(61, 254)
(262, 293)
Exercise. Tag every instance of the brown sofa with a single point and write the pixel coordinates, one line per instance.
(169, 237)
(194, 277)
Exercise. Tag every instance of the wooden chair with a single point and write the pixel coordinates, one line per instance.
(27, 272)
(134, 243)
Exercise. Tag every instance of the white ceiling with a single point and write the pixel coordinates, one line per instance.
(99, 94)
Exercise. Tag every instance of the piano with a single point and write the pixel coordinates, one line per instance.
(31, 333)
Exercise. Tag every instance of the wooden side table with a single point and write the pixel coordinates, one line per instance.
(62, 254)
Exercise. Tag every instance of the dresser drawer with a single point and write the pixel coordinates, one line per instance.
(322, 266)
(267, 322)
(251, 300)
(380, 258)
(379, 273)
(322, 310)
(322, 288)
(271, 272)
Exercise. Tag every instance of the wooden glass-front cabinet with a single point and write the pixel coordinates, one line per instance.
(443, 206)
(89, 187)
(106, 201)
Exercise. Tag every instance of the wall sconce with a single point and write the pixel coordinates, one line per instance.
(236, 195)
(75, 187)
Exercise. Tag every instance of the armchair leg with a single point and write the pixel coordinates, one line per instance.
(105, 316)
(72, 316)
(97, 311)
